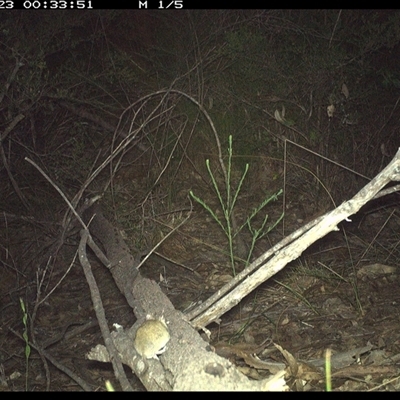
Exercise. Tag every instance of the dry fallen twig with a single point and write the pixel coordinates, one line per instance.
(290, 248)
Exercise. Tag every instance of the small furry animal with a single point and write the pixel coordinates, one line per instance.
(151, 338)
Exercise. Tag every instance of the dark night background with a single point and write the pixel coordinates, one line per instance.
(74, 83)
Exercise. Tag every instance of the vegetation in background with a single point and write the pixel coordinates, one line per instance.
(227, 198)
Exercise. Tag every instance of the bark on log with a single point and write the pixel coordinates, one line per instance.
(188, 363)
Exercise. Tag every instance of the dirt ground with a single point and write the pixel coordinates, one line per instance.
(341, 295)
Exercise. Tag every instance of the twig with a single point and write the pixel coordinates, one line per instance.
(262, 270)
(334, 28)
(58, 190)
(100, 314)
(166, 237)
(95, 294)
(9, 128)
(58, 365)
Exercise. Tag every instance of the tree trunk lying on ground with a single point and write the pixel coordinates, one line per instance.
(188, 363)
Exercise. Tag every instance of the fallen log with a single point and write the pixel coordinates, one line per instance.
(189, 362)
